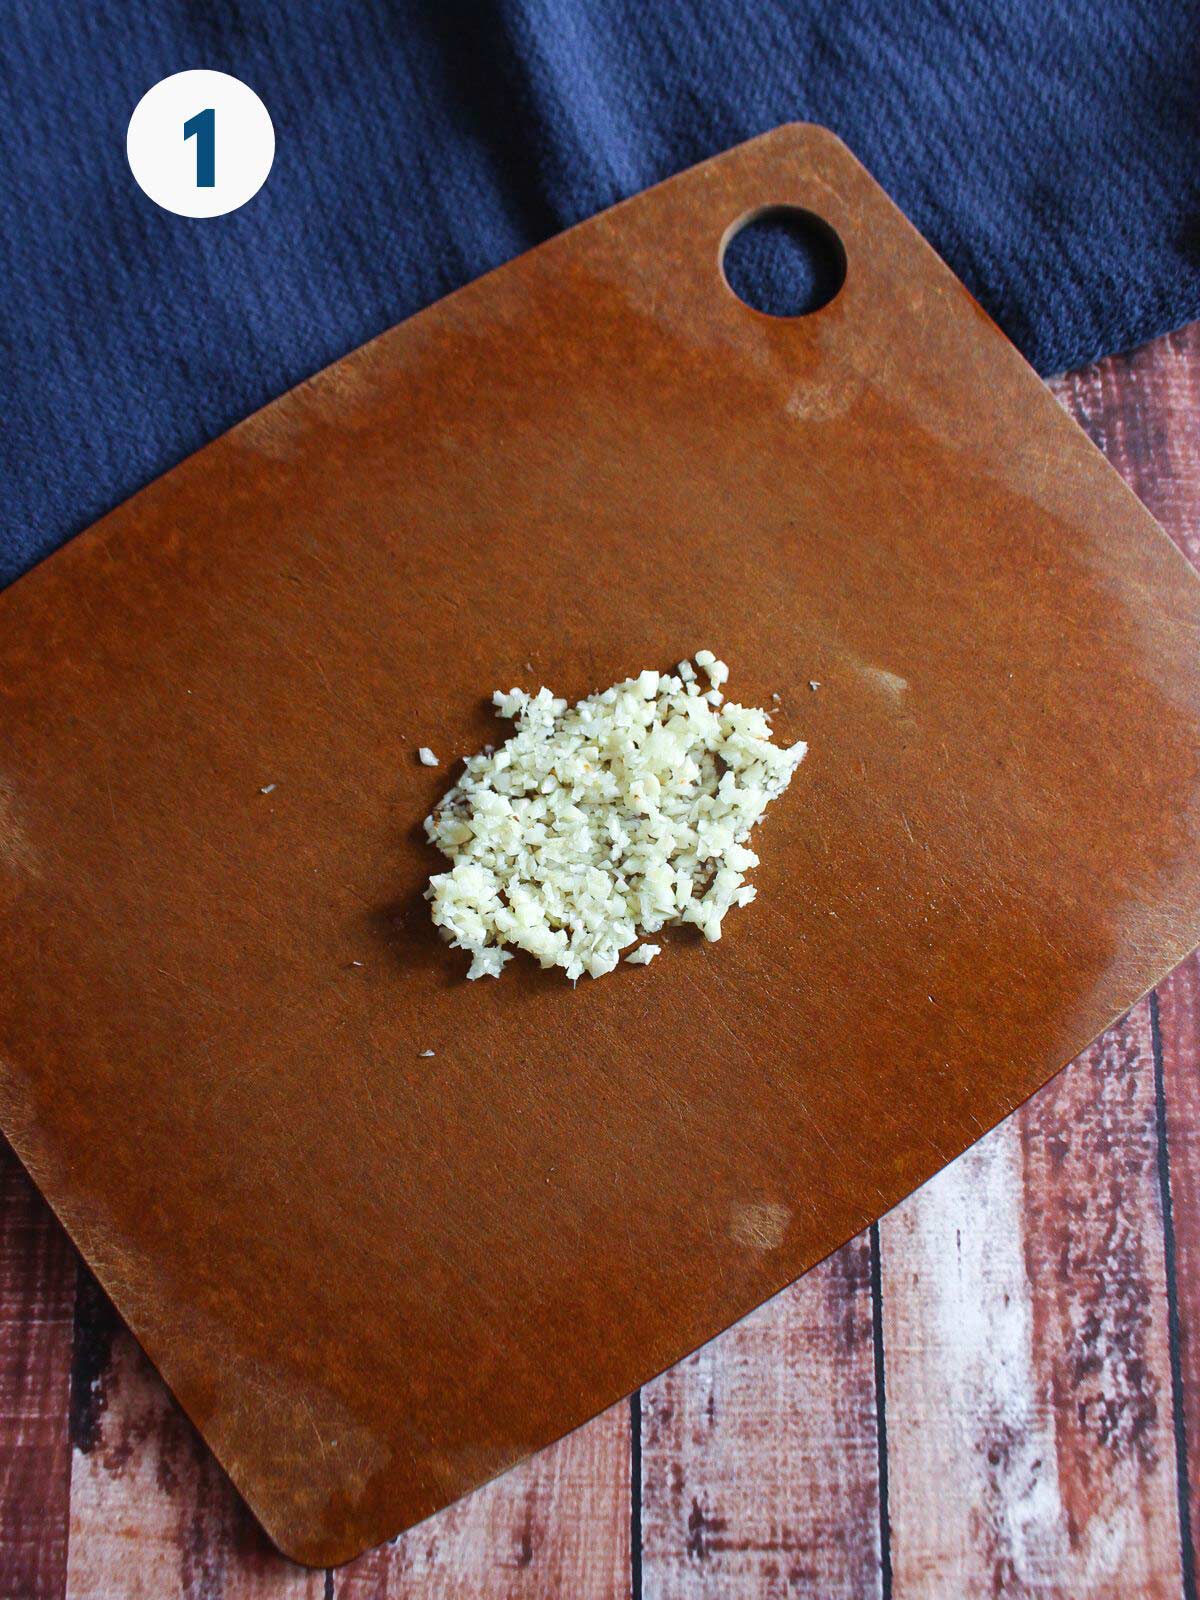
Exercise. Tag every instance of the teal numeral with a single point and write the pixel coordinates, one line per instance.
(204, 126)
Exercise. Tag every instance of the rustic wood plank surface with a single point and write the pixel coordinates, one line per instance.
(996, 1392)
(1177, 1014)
(151, 1512)
(1031, 1448)
(760, 1453)
(558, 1524)
(37, 1299)
(1145, 413)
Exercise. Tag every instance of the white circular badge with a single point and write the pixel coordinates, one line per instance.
(200, 143)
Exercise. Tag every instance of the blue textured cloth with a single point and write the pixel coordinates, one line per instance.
(1047, 148)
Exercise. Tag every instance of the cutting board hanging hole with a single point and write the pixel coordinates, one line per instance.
(783, 261)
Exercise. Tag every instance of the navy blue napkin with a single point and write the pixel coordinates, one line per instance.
(1047, 148)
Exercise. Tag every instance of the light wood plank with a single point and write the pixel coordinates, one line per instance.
(152, 1515)
(1179, 1025)
(1143, 411)
(1150, 405)
(37, 1297)
(554, 1528)
(760, 1452)
(1028, 1384)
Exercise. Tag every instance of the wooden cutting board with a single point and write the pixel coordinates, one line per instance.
(374, 1279)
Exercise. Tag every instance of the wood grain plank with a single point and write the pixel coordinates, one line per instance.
(555, 1526)
(37, 1295)
(1178, 1008)
(760, 1453)
(1144, 410)
(152, 1514)
(1028, 1381)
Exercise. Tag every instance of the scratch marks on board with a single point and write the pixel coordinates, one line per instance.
(16, 850)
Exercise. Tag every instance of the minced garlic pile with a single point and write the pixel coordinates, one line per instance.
(602, 821)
